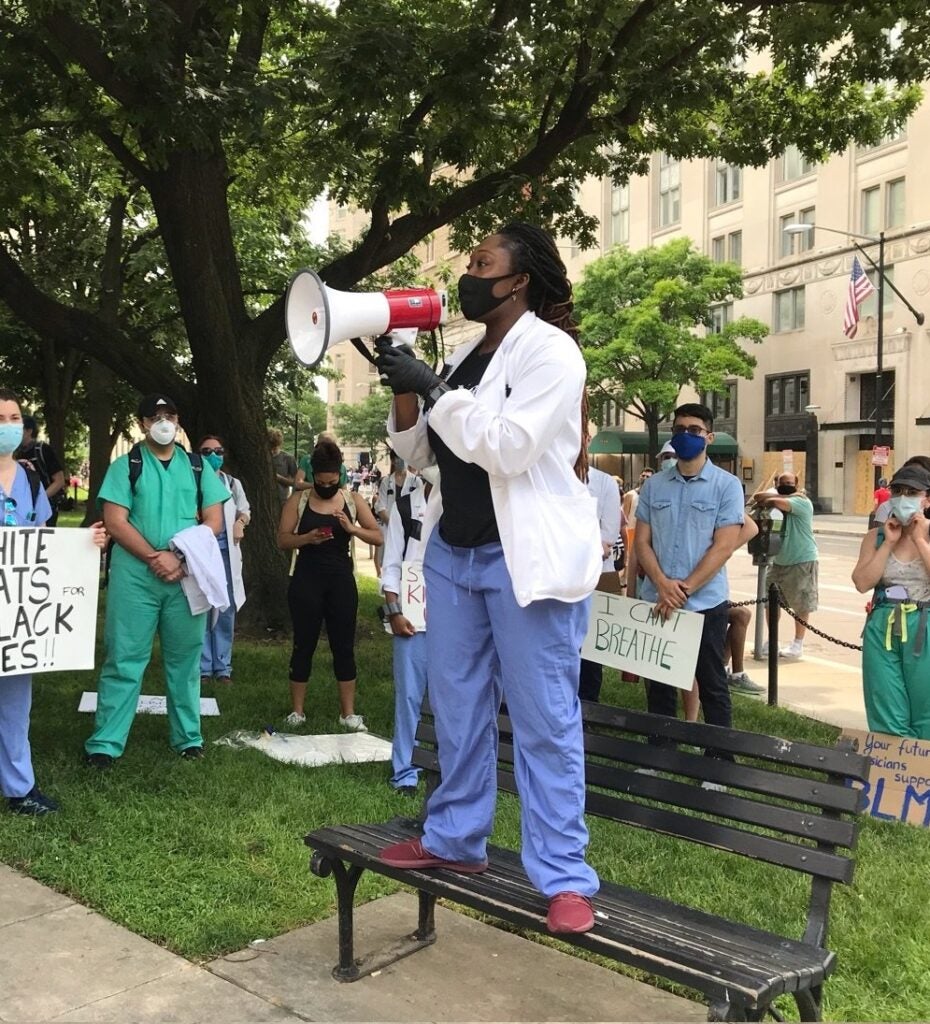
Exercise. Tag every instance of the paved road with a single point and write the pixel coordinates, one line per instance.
(842, 608)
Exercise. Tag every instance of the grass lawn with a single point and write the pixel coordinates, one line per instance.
(204, 857)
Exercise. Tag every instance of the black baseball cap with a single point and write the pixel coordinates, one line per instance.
(911, 476)
(152, 405)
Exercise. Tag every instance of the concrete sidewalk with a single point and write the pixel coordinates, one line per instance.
(841, 526)
(60, 961)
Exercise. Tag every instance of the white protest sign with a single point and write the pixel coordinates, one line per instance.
(48, 599)
(149, 704)
(413, 594)
(628, 635)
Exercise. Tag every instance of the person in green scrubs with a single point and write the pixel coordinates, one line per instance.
(145, 595)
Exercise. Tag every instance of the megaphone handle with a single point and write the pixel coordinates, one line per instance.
(362, 348)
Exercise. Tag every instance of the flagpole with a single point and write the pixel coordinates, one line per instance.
(877, 471)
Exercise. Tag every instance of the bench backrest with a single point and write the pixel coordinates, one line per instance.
(786, 803)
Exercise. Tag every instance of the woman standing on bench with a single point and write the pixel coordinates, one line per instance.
(510, 569)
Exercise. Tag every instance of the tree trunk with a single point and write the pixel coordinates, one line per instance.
(652, 427)
(58, 380)
(99, 382)
(193, 215)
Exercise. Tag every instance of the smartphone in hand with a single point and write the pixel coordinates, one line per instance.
(326, 531)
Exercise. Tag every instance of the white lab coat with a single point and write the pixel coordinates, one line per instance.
(522, 424)
(607, 495)
(238, 503)
(394, 555)
(204, 585)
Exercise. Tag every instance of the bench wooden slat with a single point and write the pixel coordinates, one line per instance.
(710, 954)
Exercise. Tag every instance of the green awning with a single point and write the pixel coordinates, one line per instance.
(613, 441)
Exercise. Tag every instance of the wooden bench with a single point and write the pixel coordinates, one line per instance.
(788, 804)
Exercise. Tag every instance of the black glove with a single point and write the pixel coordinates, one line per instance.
(404, 374)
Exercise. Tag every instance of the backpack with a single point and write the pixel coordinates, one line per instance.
(135, 471)
(412, 527)
(196, 461)
(301, 508)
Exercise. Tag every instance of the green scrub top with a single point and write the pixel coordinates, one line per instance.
(165, 499)
(797, 532)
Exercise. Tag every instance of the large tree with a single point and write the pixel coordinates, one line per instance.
(420, 112)
(648, 328)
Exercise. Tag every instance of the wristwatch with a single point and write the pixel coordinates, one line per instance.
(392, 608)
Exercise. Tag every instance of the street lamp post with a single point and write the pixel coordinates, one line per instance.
(879, 267)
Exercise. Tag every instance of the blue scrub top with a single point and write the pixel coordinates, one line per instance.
(24, 513)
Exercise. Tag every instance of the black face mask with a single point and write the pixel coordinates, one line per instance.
(326, 490)
(476, 297)
(786, 489)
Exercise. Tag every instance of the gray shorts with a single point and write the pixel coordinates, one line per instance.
(798, 583)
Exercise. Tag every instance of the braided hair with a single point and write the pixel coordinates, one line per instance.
(549, 295)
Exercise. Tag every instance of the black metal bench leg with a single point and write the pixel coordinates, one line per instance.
(809, 1003)
(724, 1011)
(426, 926)
(346, 879)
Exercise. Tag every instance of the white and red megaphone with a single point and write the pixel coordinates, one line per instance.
(318, 317)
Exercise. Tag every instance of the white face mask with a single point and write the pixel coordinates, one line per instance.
(163, 431)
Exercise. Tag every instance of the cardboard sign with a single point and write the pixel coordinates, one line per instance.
(149, 704)
(413, 594)
(628, 635)
(48, 599)
(899, 779)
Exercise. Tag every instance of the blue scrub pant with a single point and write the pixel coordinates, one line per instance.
(16, 777)
(216, 657)
(480, 644)
(409, 688)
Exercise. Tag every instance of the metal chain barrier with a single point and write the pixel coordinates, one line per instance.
(797, 618)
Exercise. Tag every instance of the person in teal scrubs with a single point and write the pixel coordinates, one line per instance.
(145, 594)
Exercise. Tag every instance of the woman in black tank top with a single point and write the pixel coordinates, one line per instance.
(318, 524)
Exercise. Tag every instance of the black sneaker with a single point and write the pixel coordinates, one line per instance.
(34, 803)
(99, 761)
(193, 754)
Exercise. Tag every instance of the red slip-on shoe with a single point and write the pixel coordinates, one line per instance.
(414, 856)
(569, 914)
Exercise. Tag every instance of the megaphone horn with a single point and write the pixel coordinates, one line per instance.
(318, 317)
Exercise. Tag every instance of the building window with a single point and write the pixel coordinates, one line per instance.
(878, 212)
(728, 184)
(720, 316)
(611, 414)
(787, 394)
(789, 309)
(867, 396)
(718, 249)
(894, 204)
(339, 395)
(620, 214)
(722, 403)
(871, 210)
(429, 254)
(795, 165)
(789, 244)
(669, 190)
(735, 247)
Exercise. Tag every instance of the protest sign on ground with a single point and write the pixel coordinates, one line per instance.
(627, 634)
(899, 779)
(149, 704)
(48, 599)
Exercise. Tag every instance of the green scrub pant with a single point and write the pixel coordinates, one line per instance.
(895, 683)
(139, 605)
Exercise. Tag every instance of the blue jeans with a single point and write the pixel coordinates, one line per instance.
(216, 657)
(482, 644)
(409, 688)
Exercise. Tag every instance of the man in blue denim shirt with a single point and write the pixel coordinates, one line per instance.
(687, 525)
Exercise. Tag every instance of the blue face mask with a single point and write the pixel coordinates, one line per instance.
(904, 508)
(215, 460)
(687, 446)
(11, 437)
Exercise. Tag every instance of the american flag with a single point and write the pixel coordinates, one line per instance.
(860, 288)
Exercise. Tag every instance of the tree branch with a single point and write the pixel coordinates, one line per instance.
(129, 356)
